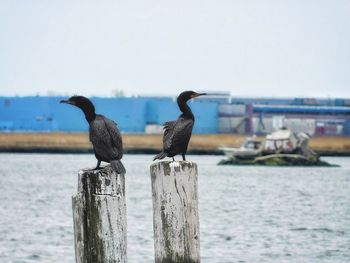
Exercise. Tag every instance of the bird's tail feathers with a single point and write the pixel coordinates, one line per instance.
(118, 167)
(159, 156)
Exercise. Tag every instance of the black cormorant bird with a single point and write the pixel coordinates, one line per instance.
(103, 132)
(177, 133)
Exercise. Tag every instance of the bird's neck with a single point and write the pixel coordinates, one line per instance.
(90, 114)
(186, 110)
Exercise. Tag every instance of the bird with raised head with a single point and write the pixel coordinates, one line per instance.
(177, 134)
(103, 133)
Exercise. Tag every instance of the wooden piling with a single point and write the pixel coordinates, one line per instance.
(175, 212)
(99, 215)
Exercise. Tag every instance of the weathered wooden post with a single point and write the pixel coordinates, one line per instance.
(99, 214)
(175, 212)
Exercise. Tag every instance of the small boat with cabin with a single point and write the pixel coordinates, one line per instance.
(250, 148)
(280, 148)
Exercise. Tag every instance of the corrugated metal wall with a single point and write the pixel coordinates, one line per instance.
(145, 114)
(131, 114)
(166, 109)
(346, 127)
(29, 113)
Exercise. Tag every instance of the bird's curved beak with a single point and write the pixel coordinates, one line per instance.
(67, 102)
(197, 95)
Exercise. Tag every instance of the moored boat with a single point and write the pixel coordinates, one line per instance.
(249, 149)
(280, 148)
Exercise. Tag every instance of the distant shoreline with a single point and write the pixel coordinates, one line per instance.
(147, 144)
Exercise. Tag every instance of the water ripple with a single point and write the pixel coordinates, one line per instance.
(247, 214)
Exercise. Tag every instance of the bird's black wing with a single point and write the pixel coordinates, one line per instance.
(168, 134)
(106, 138)
(114, 133)
(177, 134)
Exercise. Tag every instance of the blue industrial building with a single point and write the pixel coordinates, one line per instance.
(217, 113)
(43, 114)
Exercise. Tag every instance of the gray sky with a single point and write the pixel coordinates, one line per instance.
(250, 48)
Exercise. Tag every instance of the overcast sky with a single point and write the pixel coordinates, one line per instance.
(267, 48)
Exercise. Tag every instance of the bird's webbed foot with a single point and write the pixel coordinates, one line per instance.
(98, 165)
(183, 157)
(173, 159)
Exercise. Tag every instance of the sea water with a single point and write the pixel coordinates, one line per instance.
(247, 214)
